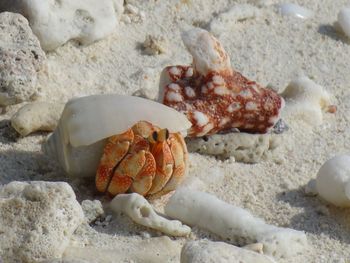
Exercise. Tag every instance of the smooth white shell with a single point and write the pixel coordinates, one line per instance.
(289, 9)
(78, 141)
(333, 181)
(344, 20)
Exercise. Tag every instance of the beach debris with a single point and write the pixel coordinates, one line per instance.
(92, 210)
(244, 147)
(143, 159)
(310, 188)
(86, 122)
(155, 45)
(261, 3)
(56, 23)
(204, 210)
(21, 58)
(205, 251)
(306, 100)
(290, 9)
(38, 219)
(228, 19)
(333, 181)
(133, 14)
(152, 250)
(344, 20)
(145, 79)
(36, 116)
(256, 247)
(140, 211)
(213, 96)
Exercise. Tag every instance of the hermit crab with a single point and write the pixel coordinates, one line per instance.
(144, 159)
(213, 96)
(128, 143)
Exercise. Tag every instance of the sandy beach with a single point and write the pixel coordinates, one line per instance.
(269, 48)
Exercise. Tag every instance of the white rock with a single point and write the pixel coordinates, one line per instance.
(78, 141)
(228, 19)
(310, 189)
(256, 247)
(344, 20)
(229, 222)
(145, 79)
(333, 181)
(37, 220)
(204, 50)
(36, 116)
(21, 58)
(306, 100)
(155, 45)
(92, 210)
(290, 9)
(134, 14)
(138, 208)
(152, 250)
(56, 22)
(244, 147)
(205, 251)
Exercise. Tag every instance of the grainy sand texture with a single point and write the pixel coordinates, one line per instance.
(264, 46)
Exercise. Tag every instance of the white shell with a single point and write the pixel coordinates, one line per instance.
(289, 9)
(344, 20)
(333, 181)
(78, 141)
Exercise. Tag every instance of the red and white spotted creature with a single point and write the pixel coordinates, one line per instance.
(213, 96)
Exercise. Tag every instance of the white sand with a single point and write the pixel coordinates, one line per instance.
(269, 49)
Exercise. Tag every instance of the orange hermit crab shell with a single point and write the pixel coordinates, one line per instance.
(144, 159)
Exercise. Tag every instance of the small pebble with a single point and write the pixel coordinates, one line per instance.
(108, 218)
(310, 188)
(332, 109)
(256, 247)
(155, 45)
(280, 127)
(132, 9)
(145, 234)
(289, 9)
(344, 20)
(322, 210)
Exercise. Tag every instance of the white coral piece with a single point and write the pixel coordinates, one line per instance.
(306, 100)
(36, 116)
(208, 54)
(137, 207)
(229, 222)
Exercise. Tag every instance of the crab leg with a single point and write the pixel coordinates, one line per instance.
(126, 171)
(116, 148)
(165, 162)
(143, 181)
(180, 157)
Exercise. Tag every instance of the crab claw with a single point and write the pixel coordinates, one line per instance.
(213, 96)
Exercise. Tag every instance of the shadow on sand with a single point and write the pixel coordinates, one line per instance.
(318, 218)
(333, 32)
